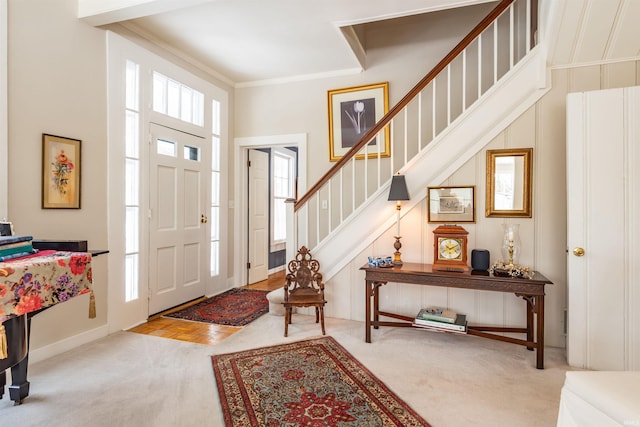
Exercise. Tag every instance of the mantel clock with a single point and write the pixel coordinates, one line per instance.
(450, 248)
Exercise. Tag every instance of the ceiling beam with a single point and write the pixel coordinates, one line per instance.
(103, 12)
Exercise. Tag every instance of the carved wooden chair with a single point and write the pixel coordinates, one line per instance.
(303, 287)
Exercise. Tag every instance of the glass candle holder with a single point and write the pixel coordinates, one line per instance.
(510, 243)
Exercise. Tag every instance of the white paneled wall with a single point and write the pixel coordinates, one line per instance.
(542, 127)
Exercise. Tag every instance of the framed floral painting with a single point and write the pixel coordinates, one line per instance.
(60, 172)
(352, 113)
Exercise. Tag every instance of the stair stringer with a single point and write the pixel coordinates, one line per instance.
(510, 97)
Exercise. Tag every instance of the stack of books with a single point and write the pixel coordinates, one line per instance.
(441, 319)
(12, 247)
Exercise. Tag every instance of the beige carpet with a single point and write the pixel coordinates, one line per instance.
(129, 379)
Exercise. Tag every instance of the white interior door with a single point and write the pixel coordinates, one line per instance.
(603, 220)
(177, 218)
(258, 264)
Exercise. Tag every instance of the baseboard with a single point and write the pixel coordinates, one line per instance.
(232, 282)
(276, 269)
(58, 347)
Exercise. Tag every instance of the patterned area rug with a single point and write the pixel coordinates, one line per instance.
(236, 307)
(313, 382)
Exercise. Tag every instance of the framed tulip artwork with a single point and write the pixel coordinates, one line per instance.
(352, 113)
(60, 172)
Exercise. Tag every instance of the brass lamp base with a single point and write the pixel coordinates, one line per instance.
(397, 260)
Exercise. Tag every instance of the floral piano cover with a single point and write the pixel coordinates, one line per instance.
(48, 278)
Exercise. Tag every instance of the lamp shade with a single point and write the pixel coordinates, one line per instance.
(398, 190)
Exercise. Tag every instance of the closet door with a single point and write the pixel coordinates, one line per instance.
(603, 227)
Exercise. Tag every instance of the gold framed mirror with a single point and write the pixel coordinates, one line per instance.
(509, 181)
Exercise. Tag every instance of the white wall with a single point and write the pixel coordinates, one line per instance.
(57, 85)
(296, 107)
(543, 236)
(4, 149)
(402, 58)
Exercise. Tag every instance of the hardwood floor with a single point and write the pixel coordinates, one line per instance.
(198, 332)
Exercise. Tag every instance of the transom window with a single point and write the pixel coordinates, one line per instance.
(177, 100)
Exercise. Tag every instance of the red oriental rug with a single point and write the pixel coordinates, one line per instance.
(313, 382)
(236, 307)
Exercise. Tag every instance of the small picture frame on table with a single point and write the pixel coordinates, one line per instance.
(451, 205)
(6, 228)
(60, 172)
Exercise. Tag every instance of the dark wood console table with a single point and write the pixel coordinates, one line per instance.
(531, 290)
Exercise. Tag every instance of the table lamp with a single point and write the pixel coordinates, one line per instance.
(397, 193)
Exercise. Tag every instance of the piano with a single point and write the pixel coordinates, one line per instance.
(17, 336)
(27, 287)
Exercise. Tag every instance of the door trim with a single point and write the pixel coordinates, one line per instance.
(241, 148)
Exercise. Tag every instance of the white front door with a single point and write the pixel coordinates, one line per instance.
(177, 219)
(603, 229)
(258, 263)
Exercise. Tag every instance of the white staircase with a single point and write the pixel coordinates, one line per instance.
(344, 215)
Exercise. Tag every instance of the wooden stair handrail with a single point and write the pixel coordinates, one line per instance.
(386, 119)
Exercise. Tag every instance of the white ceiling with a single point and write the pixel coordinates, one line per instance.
(251, 41)
(247, 42)
(593, 31)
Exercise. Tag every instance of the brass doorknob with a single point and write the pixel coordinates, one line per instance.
(578, 251)
(203, 219)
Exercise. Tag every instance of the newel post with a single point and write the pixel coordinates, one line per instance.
(292, 227)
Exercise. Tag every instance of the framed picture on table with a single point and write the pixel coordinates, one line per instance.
(60, 172)
(451, 205)
(6, 228)
(353, 112)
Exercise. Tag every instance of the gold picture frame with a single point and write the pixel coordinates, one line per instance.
(60, 172)
(352, 112)
(450, 205)
(509, 183)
